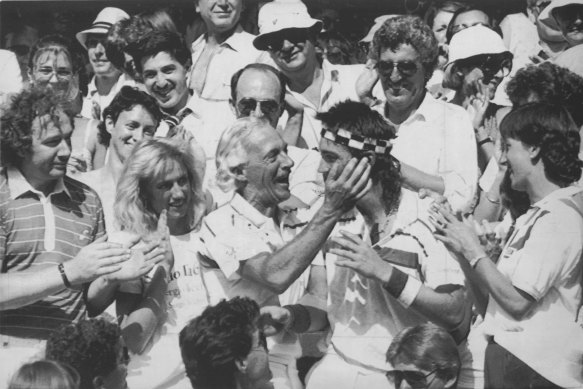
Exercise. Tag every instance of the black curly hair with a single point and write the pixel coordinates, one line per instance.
(211, 343)
(549, 83)
(126, 99)
(17, 118)
(91, 347)
(158, 41)
(550, 128)
(407, 30)
(360, 119)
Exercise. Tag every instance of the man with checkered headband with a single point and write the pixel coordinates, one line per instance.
(385, 270)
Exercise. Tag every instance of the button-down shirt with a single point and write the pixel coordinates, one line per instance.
(103, 101)
(438, 139)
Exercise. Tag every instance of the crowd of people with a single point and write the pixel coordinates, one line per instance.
(294, 209)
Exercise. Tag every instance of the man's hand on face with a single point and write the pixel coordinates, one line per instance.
(345, 186)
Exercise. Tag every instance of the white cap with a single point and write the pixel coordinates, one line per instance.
(547, 16)
(378, 22)
(282, 15)
(102, 23)
(475, 40)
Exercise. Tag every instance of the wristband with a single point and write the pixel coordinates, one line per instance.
(484, 141)
(300, 318)
(61, 268)
(396, 283)
(474, 261)
(410, 292)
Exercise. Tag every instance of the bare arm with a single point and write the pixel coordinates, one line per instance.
(277, 271)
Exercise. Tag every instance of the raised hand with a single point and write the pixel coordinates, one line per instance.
(344, 187)
(95, 260)
(366, 82)
(359, 256)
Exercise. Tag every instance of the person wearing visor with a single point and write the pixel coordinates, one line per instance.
(289, 34)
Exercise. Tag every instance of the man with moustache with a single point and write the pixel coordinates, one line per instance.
(107, 80)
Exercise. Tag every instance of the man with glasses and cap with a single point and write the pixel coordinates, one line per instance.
(289, 34)
(108, 80)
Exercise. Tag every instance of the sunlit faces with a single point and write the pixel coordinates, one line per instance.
(516, 156)
(403, 90)
(171, 190)
(331, 153)
(220, 15)
(469, 19)
(570, 20)
(292, 49)
(97, 57)
(51, 148)
(440, 23)
(256, 373)
(165, 79)
(268, 169)
(131, 127)
(53, 69)
(263, 89)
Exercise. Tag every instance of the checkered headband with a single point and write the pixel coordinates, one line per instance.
(358, 142)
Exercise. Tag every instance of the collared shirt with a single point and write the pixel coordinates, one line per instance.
(364, 317)
(103, 101)
(544, 258)
(37, 232)
(438, 139)
(338, 85)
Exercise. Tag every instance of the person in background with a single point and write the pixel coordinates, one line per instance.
(536, 283)
(159, 193)
(425, 357)
(107, 79)
(472, 14)
(222, 50)
(568, 16)
(20, 41)
(95, 349)
(45, 374)
(551, 41)
(133, 115)
(11, 82)
(225, 347)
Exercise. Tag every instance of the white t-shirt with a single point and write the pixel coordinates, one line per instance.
(190, 290)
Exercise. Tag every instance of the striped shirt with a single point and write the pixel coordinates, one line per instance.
(40, 231)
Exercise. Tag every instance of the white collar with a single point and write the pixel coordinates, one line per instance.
(18, 185)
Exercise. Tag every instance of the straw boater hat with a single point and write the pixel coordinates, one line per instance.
(281, 15)
(102, 23)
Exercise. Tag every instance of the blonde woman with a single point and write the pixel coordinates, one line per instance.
(159, 192)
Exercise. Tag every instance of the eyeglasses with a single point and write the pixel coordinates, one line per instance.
(489, 64)
(415, 379)
(247, 105)
(405, 68)
(93, 41)
(294, 36)
(568, 14)
(46, 73)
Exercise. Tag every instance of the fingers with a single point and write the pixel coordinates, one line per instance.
(346, 263)
(342, 253)
(363, 178)
(345, 243)
(108, 270)
(348, 170)
(334, 171)
(438, 221)
(101, 240)
(352, 237)
(364, 190)
(114, 252)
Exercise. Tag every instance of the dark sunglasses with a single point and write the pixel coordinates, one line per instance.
(294, 36)
(93, 41)
(247, 105)
(415, 379)
(405, 68)
(489, 64)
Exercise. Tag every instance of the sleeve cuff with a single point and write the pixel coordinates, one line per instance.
(410, 292)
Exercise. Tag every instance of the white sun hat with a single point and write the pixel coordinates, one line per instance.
(475, 40)
(547, 14)
(282, 15)
(102, 23)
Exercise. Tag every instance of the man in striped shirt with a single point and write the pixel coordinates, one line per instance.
(53, 250)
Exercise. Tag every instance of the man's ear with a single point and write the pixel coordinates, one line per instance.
(98, 382)
(109, 124)
(450, 383)
(241, 365)
(239, 173)
(534, 152)
(196, 7)
(233, 107)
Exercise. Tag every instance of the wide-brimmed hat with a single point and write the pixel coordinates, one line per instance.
(282, 15)
(102, 23)
(475, 40)
(546, 16)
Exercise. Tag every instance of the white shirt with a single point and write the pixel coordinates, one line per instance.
(103, 101)
(544, 258)
(438, 139)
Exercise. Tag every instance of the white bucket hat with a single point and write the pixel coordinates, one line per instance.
(475, 40)
(102, 23)
(282, 15)
(547, 14)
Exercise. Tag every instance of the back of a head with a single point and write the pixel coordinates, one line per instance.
(44, 374)
(212, 343)
(427, 346)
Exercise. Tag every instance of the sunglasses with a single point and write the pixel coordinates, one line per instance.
(93, 41)
(247, 105)
(568, 14)
(415, 379)
(294, 36)
(489, 64)
(405, 68)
